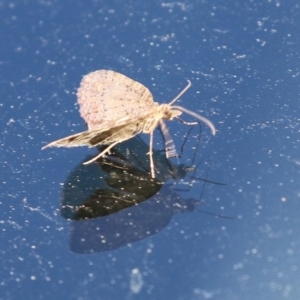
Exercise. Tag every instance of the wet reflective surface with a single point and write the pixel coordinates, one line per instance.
(152, 242)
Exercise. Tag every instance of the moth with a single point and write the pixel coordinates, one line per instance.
(117, 108)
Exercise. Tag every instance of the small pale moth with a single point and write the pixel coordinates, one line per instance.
(117, 108)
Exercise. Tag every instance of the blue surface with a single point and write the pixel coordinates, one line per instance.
(243, 61)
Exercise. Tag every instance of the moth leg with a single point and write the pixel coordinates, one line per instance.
(169, 143)
(151, 155)
(197, 116)
(187, 123)
(102, 153)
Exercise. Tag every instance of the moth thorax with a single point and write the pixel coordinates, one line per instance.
(149, 124)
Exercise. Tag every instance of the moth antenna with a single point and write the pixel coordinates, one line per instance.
(197, 116)
(181, 93)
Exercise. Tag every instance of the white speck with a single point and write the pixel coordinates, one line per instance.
(136, 281)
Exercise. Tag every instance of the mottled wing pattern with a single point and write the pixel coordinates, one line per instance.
(111, 133)
(107, 96)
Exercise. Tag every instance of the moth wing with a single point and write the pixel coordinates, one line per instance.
(105, 95)
(75, 140)
(105, 134)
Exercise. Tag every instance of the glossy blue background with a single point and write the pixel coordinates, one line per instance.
(243, 60)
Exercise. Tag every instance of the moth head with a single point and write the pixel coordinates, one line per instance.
(169, 113)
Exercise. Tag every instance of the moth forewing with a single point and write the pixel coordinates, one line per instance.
(92, 138)
(74, 140)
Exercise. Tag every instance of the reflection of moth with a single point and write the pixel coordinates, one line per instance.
(117, 108)
(117, 181)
